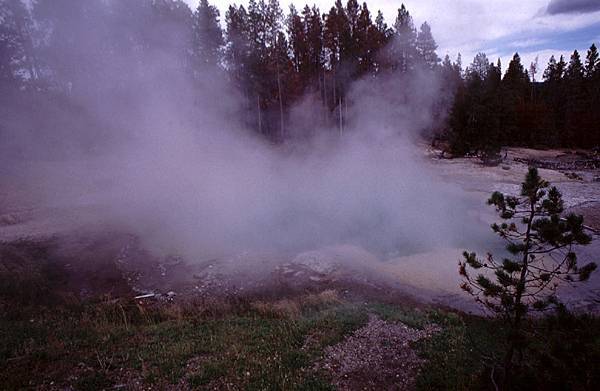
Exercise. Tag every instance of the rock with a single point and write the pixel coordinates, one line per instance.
(316, 262)
(8, 219)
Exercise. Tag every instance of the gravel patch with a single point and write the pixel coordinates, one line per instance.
(377, 356)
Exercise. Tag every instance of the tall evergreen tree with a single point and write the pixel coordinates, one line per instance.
(561, 66)
(552, 73)
(479, 67)
(238, 47)
(426, 47)
(576, 127)
(336, 39)
(553, 96)
(313, 27)
(381, 37)
(515, 92)
(451, 77)
(592, 75)
(366, 41)
(282, 69)
(208, 35)
(592, 63)
(405, 41)
(575, 69)
(331, 39)
(515, 76)
(337, 34)
(298, 41)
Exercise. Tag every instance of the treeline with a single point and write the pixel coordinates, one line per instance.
(491, 110)
(57, 51)
(272, 58)
(276, 60)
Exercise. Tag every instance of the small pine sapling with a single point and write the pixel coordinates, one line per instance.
(541, 243)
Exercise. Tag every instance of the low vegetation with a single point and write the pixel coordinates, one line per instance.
(251, 343)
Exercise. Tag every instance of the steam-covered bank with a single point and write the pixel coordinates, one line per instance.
(426, 272)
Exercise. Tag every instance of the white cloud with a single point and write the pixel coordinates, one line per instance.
(469, 26)
(527, 43)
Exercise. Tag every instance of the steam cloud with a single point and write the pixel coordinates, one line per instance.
(169, 159)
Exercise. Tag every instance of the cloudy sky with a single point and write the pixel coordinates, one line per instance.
(498, 28)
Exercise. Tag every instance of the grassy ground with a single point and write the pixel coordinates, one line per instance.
(51, 340)
(243, 345)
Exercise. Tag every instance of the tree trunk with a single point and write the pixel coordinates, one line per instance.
(324, 89)
(346, 109)
(325, 103)
(259, 117)
(341, 119)
(515, 328)
(333, 85)
(247, 108)
(281, 131)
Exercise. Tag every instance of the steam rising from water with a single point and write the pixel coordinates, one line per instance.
(169, 160)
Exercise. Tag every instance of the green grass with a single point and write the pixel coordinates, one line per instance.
(456, 355)
(90, 348)
(563, 353)
(253, 345)
(412, 317)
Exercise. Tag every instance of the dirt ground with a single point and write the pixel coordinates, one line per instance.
(98, 253)
(381, 348)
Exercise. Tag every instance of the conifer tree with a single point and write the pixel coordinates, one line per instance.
(363, 37)
(552, 74)
(297, 39)
(554, 99)
(238, 47)
(515, 93)
(592, 76)
(405, 43)
(331, 37)
(352, 12)
(516, 76)
(313, 26)
(561, 67)
(480, 67)
(592, 63)
(426, 47)
(575, 127)
(458, 64)
(575, 69)
(208, 36)
(542, 243)
(349, 42)
(381, 36)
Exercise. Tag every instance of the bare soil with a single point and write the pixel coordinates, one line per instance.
(377, 356)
